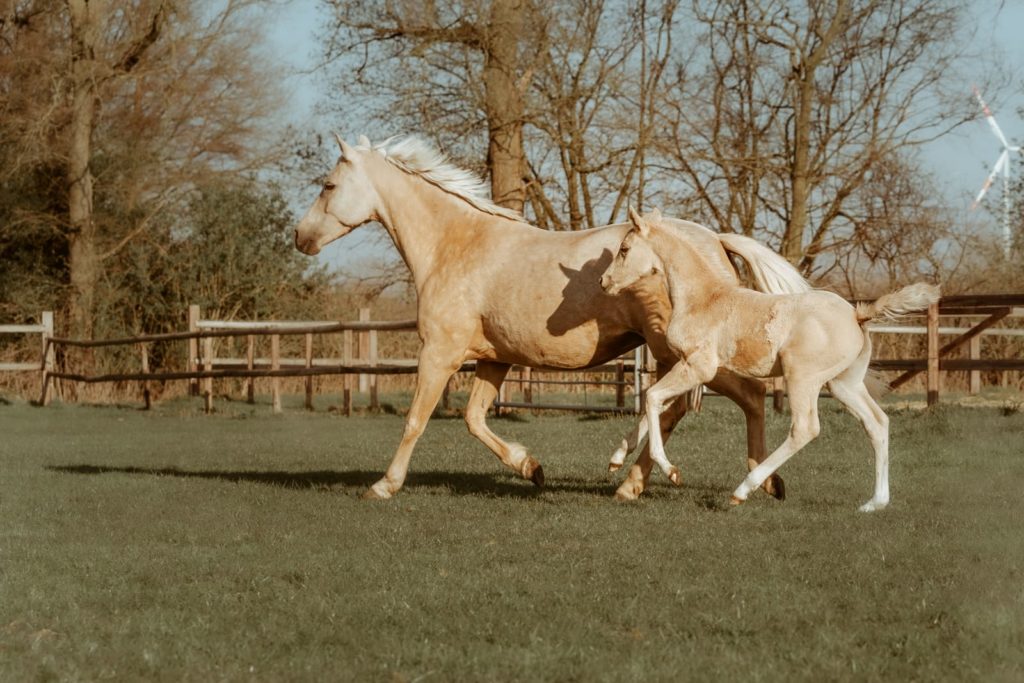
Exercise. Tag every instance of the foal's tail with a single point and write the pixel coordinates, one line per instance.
(907, 300)
(772, 273)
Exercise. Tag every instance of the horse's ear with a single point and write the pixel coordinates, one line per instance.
(363, 141)
(638, 222)
(346, 151)
(655, 216)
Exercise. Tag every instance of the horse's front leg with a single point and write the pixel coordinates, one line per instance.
(749, 395)
(436, 365)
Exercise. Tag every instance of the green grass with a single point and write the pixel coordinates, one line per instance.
(174, 546)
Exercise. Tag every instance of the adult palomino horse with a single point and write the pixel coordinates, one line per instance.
(494, 289)
(811, 338)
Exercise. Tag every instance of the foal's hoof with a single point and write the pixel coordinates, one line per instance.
(734, 501)
(370, 494)
(775, 487)
(675, 477)
(614, 466)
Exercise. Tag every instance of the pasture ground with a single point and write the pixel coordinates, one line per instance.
(174, 546)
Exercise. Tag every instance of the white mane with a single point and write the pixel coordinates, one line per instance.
(415, 155)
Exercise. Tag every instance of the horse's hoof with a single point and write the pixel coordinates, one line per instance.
(775, 487)
(734, 501)
(614, 466)
(675, 477)
(533, 471)
(375, 493)
(538, 477)
(872, 506)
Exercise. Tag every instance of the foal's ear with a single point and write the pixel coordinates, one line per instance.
(346, 151)
(363, 141)
(655, 216)
(639, 224)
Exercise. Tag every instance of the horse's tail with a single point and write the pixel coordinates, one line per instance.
(772, 273)
(907, 300)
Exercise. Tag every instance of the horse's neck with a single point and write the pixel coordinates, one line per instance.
(692, 283)
(425, 222)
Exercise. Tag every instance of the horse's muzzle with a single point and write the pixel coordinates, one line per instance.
(307, 246)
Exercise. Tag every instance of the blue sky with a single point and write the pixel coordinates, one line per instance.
(960, 161)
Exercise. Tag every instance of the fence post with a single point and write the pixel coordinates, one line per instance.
(933, 354)
(46, 362)
(637, 384)
(309, 365)
(620, 383)
(275, 364)
(193, 348)
(208, 382)
(364, 348)
(975, 375)
(145, 371)
(250, 362)
(374, 401)
(346, 394)
(526, 375)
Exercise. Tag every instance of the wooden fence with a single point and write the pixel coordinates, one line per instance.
(360, 364)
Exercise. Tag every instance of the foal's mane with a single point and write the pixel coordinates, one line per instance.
(418, 157)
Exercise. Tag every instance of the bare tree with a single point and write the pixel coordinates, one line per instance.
(121, 106)
(795, 104)
(474, 59)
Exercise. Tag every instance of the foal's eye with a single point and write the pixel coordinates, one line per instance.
(328, 187)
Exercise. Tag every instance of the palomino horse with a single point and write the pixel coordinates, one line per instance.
(494, 289)
(812, 339)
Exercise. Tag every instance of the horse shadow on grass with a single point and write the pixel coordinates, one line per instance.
(458, 483)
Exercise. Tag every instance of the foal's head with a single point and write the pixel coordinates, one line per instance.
(636, 259)
(347, 200)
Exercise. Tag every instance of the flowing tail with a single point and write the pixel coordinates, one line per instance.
(912, 298)
(772, 273)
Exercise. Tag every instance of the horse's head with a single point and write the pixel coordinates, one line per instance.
(636, 258)
(348, 199)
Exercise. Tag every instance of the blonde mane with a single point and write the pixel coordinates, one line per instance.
(416, 156)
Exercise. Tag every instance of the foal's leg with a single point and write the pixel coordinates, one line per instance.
(489, 376)
(803, 404)
(749, 395)
(640, 471)
(852, 393)
(682, 377)
(629, 444)
(435, 367)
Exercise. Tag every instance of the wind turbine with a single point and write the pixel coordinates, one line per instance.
(1002, 165)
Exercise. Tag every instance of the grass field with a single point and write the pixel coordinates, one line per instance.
(174, 546)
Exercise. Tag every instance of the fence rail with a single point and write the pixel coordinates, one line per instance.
(203, 366)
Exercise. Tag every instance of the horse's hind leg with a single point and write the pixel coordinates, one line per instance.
(852, 393)
(803, 404)
(489, 376)
(749, 395)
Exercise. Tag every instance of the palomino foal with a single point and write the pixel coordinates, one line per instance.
(812, 339)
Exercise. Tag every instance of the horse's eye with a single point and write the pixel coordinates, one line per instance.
(328, 187)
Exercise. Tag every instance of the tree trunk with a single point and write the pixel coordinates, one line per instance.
(83, 264)
(504, 104)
